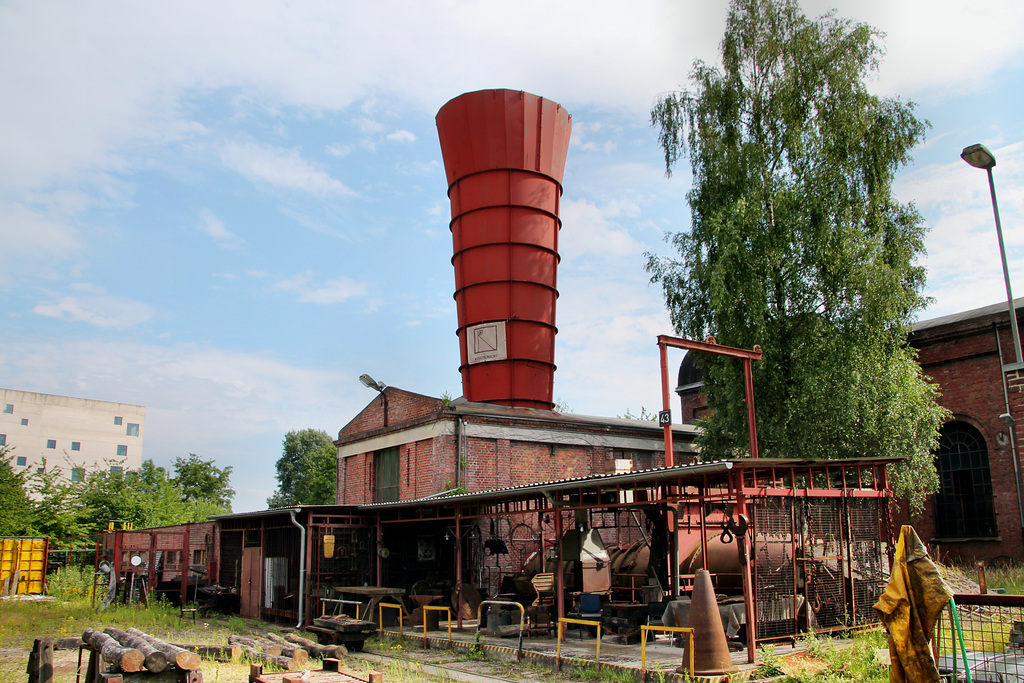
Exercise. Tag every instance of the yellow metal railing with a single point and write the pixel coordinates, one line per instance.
(380, 615)
(669, 629)
(436, 608)
(507, 603)
(581, 622)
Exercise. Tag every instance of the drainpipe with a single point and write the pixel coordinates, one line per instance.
(302, 568)
(1012, 428)
(460, 429)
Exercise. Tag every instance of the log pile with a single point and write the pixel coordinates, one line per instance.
(288, 656)
(132, 651)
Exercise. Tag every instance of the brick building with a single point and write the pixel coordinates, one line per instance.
(978, 512)
(404, 446)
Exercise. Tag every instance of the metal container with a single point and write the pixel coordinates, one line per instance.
(504, 155)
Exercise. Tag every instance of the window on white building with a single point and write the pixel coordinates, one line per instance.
(3, 439)
(117, 420)
(22, 461)
(51, 443)
(77, 474)
(9, 408)
(76, 445)
(133, 429)
(115, 469)
(122, 451)
(24, 422)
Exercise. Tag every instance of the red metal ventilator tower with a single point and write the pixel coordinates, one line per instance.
(504, 155)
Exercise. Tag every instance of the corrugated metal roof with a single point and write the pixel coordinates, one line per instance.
(610, 478)
(992, 309)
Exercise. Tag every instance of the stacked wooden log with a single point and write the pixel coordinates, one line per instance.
(289, 656)
(132, 650)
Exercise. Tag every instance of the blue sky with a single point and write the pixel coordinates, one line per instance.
(228, 211)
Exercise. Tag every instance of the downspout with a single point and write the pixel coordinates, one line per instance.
(458, 450)
(302, 568)
(1012, 429)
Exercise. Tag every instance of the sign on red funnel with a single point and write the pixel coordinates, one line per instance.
(504, 155)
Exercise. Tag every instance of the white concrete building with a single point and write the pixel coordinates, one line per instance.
(74, 434)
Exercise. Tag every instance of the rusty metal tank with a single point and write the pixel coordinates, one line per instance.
(504, 156)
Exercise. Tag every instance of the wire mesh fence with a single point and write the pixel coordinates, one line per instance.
(993, 639)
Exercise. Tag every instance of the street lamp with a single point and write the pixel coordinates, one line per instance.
(978, 156)
(371, 383)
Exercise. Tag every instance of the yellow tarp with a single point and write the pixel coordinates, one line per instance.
(909, 608)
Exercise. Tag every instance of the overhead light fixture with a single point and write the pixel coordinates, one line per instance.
(371, 383)
(979, 157)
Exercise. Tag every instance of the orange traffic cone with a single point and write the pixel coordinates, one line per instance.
(710, 648)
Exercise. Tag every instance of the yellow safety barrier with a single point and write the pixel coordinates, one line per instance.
(380, 615)
(507, 603)
(581, 622)
(671, 629)
(436, 608)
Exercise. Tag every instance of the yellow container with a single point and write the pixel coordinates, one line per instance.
(22, 565)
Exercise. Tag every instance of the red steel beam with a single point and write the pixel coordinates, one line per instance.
(710, 346)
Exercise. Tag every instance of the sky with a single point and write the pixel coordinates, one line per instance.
(228, 211)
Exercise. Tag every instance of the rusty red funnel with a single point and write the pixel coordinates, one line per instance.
(504, 155)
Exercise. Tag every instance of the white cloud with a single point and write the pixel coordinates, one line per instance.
(964, 269)
(591, 231)
(214, 227)
(339, 150)
(282, 168)
(401, 136)
(34, 240)
(329, 292)
(95, 307)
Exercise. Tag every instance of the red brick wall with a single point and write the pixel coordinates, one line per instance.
(962, 358)
(403, 406)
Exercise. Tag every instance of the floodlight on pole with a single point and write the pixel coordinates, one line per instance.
(371, 383)
(979, 156)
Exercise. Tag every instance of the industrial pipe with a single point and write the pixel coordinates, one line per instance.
(302, 568)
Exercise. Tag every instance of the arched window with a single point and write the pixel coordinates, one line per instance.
(963, 505)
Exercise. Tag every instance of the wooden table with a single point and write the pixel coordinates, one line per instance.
(371, 596)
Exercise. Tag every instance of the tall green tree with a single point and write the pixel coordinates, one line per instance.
(307, 470)
(202, 480)
(16, 508)
(798, 245)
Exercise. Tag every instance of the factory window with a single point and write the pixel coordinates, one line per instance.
(198, 556)
(76, 445)
(117, 420)
(963, 505)
(122, 451)
(3, 439)
(24, 422)
(77, 474)
(51, 443)
(133, 429)
(22, 461)
(9, 408)
(385, 464)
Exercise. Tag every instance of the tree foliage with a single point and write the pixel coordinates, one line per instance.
(15, 505)
(47, 503)
(202, 480)
(307, 470)
(798, 245)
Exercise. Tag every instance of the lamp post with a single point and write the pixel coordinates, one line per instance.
(978, 156)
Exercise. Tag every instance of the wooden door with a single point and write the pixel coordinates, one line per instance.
(252, 580)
